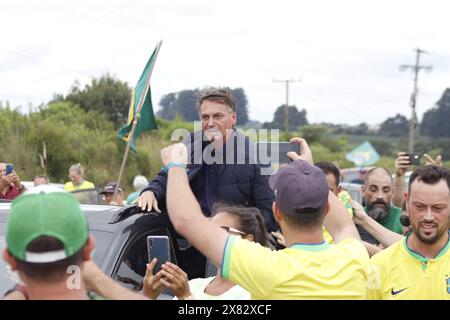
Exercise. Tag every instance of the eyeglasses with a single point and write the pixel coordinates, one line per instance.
(230, 230)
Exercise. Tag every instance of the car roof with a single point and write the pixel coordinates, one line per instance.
(30, 184)
(98, 215)
(102, 217)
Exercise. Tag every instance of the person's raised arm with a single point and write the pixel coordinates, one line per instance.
(385, 236)
(184, 210)
(337, 221)
(97, 281)
(401, 165)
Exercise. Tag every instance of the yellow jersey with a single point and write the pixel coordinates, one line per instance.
(405, 275)
(302, 271)
(85, 185)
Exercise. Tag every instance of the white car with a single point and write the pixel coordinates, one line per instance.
(30, 184)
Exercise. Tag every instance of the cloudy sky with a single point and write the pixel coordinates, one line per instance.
(346, 53)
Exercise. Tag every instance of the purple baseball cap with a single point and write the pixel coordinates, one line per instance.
(110, 188)
(299, 185)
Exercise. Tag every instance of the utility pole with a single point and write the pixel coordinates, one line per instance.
(286, 113)
(413, 122)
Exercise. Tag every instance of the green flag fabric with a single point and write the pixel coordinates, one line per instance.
(146, 120)
(363, 155)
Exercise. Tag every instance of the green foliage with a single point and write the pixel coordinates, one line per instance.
(360, 129)
(106, 94)
(296, 119)
(325, 136)
(384, 147)
(82, 127)
(184, 105)
(167, 128)
(395, 127)
(435, 120)
(72, 135)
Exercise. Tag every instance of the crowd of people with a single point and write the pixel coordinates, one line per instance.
(11, 187)
(395, 245)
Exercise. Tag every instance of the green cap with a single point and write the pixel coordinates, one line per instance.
(46, 211)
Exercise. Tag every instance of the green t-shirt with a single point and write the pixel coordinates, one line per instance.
(392, 221)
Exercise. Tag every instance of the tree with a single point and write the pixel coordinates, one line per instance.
(167, 103)
(107, 95)
(184, 104)
(395, 126)
(241, 101)
(296, 119)
(435, 120)
(361, 129)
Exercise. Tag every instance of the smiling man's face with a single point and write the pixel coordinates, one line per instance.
(217, 120)
(429, 210)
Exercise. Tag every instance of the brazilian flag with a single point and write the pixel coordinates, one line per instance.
(146, 119)
(363, 155)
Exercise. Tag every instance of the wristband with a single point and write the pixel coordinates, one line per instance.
(172, 165)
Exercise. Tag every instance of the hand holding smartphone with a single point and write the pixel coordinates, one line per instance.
(158, 247)
(9, 169)
(414, 158)
(275, 152)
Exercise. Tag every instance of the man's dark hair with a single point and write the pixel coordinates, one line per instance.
(250, 219)
(220, 95)
(51, 271)
(327, 168)
(306, 217)
(430, 174)
(369, 173)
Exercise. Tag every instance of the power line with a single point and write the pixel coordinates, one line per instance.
(413, 122)
(286, 113)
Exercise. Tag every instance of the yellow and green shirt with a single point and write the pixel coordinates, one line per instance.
(85, 185)
(404, 274)
(302, 271)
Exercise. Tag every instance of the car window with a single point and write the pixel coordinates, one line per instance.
(132, 264)
(88, 196)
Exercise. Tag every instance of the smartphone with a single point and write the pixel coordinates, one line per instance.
(9, 169)
(414, 158)
(158, 247)
(275, 152)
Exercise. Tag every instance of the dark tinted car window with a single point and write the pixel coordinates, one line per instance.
(132, 265)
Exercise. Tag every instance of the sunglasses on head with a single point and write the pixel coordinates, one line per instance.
(230, 229)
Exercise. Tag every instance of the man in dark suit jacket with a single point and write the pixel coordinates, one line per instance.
(222, 167)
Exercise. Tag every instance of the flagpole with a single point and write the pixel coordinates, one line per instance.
(136, 118)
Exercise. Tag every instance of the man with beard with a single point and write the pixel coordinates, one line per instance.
(378, 191)
(418, 266)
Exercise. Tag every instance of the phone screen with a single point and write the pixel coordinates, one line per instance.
(158, 247)
(9, 169)
(275, 152)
